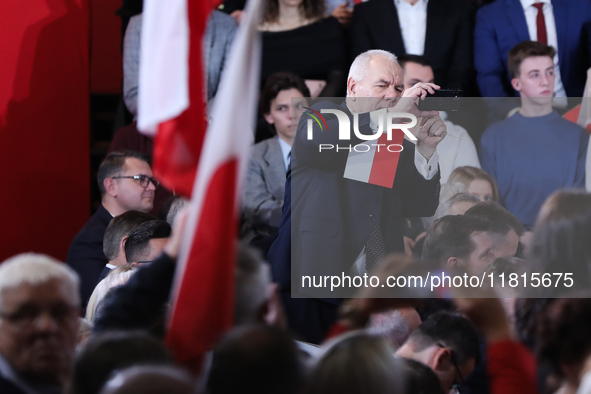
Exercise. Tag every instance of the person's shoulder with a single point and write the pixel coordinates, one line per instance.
(369, 6)
(222, 20)
(260, 148)
(570, 127)
(492, 8)
(505, 126)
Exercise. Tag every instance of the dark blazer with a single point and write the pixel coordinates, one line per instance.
(448, 39)
(86, 256)
(501, 25)
(6, 387)
(140, 303)
(332, 217)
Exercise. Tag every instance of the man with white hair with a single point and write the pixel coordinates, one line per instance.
(342, 225)
(39, 309)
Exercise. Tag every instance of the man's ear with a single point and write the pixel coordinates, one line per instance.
(110, 187)
(268, 118)
(442, 359)
(516, 83)
(453, 262)
(351, 87)
(122, 247)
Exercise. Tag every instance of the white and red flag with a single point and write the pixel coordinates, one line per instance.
(203, 292)
(375, 161)
(171, 100)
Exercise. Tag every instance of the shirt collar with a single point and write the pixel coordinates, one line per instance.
(285, 148)
(529, 3)
(417, 4)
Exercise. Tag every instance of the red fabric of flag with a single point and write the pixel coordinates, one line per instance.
(179, 141)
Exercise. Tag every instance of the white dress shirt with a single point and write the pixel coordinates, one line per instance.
(531, 15)
(413, 25)
(285, 151)
(427, 168)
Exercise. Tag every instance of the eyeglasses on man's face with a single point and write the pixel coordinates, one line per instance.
(144, 180)
(26, 315)
(455, 387)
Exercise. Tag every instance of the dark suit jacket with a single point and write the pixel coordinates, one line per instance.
(332, 217)
(139, 304)
(448, 39)
(86, 256)
(7, 387)
(501, 25)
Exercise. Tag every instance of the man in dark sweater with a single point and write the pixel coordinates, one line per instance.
(534, 152)
(126, 183)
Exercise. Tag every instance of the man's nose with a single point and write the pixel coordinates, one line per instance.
(151, 186)
(45, 322)
(392, 92)
(545, 80)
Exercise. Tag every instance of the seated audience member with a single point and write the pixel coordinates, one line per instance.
(507, 294)
(563, 339)
(395, 326)
(457, 204)
(561, 237)
(218, 38)
(176, 206)
(477, 182)
(504, 230)
(139, 304)
(453, 152)
(116, 277)
(146, 241)
(105, 353)
(442, 31)
(150, 380)
(115, 236)
(534, 152)
(448, 344)
(40, 305)
(125, 182)
(419, 378)
(258, 359)
(356, 363)
(510, 366)
(282, 104)
(459, 241)
(297, 37)
(129, 138)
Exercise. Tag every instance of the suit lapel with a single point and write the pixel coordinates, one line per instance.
(436, 18)
(561, 9)
(274, 159)
(386, 16)
(517, 17)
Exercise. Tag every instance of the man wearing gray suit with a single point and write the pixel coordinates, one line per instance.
(282, 104)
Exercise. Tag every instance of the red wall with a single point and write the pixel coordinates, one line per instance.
(44, 124)
(106, 73)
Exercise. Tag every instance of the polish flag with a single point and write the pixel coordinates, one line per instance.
(203, 292)
(171, 100)
(374, 161)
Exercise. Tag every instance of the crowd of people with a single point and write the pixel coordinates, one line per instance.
(510, 203)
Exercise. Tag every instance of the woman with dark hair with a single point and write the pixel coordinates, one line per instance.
(561, 239)
(298, 38)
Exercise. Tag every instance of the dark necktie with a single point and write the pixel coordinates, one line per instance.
(541, 24)
(374, 249)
